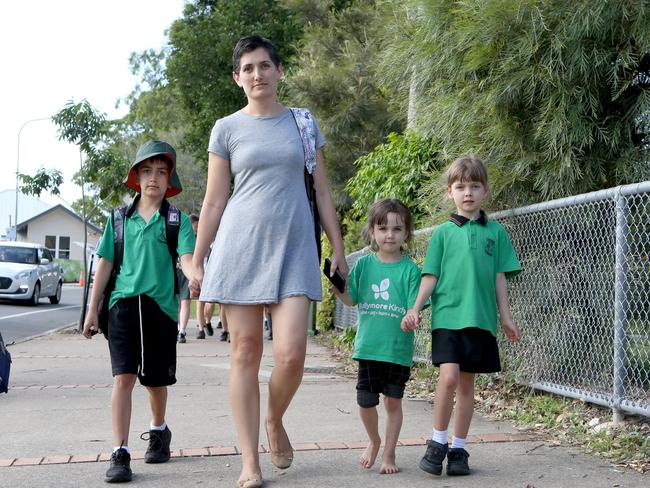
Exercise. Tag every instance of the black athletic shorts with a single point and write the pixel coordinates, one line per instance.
(142, 341)
(474, 350)
(382, 377)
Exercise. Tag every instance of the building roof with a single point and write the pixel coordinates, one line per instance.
(24, 223)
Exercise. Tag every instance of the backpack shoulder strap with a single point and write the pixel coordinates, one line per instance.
(305, 122)
(118, 238)
(172, 216)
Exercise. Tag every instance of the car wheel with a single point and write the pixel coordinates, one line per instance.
(56, 298)
(36, 296)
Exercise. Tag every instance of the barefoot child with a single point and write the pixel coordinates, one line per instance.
(464, 273)
(383, 285)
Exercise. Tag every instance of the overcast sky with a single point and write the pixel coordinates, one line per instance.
(55, 51)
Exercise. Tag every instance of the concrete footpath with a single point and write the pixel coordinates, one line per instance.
(55, 428)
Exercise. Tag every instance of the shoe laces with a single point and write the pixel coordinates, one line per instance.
(155, 438)
(120, 456)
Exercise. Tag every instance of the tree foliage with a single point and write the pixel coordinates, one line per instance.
(44, 180)
(555, 94)
(335, 75)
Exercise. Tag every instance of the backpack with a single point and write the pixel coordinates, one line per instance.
(306, 127)
(5, 367)
(172, 216)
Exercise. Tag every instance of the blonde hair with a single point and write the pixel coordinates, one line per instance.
(378, 214)
(467, 168)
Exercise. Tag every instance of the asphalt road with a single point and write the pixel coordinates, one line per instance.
(19, 321)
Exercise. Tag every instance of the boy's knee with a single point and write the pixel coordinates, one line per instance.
(124, 381)
(367, 399)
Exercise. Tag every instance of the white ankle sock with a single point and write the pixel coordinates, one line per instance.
(121, 447)
(440, 436)
(458, 443)
(157, 427)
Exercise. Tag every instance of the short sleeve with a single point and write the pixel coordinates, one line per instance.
(353, 287)
(507, 261)
(186, 239)
(320, 138)
(433, 258)
(106, 246)
(219, 140)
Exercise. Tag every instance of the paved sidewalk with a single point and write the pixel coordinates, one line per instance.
(55, 426)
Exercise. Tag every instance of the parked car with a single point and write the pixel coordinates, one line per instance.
(28, 272)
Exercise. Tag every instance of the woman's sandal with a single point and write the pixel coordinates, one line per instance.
(280, 459)
(250, 483)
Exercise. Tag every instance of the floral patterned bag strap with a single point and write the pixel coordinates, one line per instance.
(305, 123)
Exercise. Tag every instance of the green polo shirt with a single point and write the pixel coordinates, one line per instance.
(466, 256)
(146, 266)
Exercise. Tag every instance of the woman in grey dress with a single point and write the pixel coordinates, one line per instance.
(264, 252)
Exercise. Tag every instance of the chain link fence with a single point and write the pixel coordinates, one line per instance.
(582, 302)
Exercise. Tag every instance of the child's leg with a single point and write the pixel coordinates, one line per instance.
(370, 419)
(464, 405)
(444, 397)
(121, 408)
(200, 316)
(394, 417)
(158, 403)
(183, 315)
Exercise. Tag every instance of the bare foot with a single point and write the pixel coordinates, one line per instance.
(249, 479)
(367, 459)
(388, 465)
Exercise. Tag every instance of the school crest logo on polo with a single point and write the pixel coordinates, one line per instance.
(489, 246)
(382, 289)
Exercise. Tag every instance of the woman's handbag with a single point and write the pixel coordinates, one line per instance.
(305, 123)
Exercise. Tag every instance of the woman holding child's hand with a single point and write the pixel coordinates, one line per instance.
(265, 249)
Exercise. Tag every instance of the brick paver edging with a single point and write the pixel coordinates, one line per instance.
(233, 450)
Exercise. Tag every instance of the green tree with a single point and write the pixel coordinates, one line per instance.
(335, 75)
(43, 180)
(554, 94)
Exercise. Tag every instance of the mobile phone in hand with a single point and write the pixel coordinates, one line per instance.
(337, 280)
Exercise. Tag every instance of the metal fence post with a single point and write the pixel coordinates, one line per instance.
(620, 315)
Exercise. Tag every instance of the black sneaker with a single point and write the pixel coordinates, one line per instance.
(200, 334)
(181, 338)
(219, 325)
(433, 458)
(158, 450)
(457, 464)
(120, 469)
(209, 329)
(224, 336)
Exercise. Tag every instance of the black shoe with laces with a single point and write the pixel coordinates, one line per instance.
(158, 450)
(219, 325)
(181, 338)
(200, 334)
(209, 329)
(120, 468)
(433, 458)
(224, 336)
(457, 464)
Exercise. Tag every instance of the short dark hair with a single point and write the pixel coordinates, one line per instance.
(194, 218)
(467, 168)
(250, 43)
(378, 215)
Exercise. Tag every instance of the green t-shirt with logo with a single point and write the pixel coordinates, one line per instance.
(383, 292)
(146, 267)
(466, 256)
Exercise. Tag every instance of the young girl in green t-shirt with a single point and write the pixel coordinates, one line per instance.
(383, 285)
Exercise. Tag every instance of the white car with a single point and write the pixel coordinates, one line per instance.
(28, 272)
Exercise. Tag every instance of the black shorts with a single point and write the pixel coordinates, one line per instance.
(474, 350)
(377, 377)
(142, 341)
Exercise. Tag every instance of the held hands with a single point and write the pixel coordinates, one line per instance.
(196, 281)
(411, 320)
(510, 329)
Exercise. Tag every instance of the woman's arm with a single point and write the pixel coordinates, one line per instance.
(328, 217)
(217, 191)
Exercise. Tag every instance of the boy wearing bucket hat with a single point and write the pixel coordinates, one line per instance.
(143, 307)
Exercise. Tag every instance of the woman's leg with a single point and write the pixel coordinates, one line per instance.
(289, 348)
(245, 323)
(394, 417)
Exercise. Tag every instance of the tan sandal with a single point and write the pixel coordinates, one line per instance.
(280, 459)
(250, 483)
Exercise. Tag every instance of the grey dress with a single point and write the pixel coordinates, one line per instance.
(265, 248)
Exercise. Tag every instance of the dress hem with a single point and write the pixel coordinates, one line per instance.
(261, 301)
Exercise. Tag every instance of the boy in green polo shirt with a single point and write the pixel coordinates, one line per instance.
(464, 273)
(143, 306)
